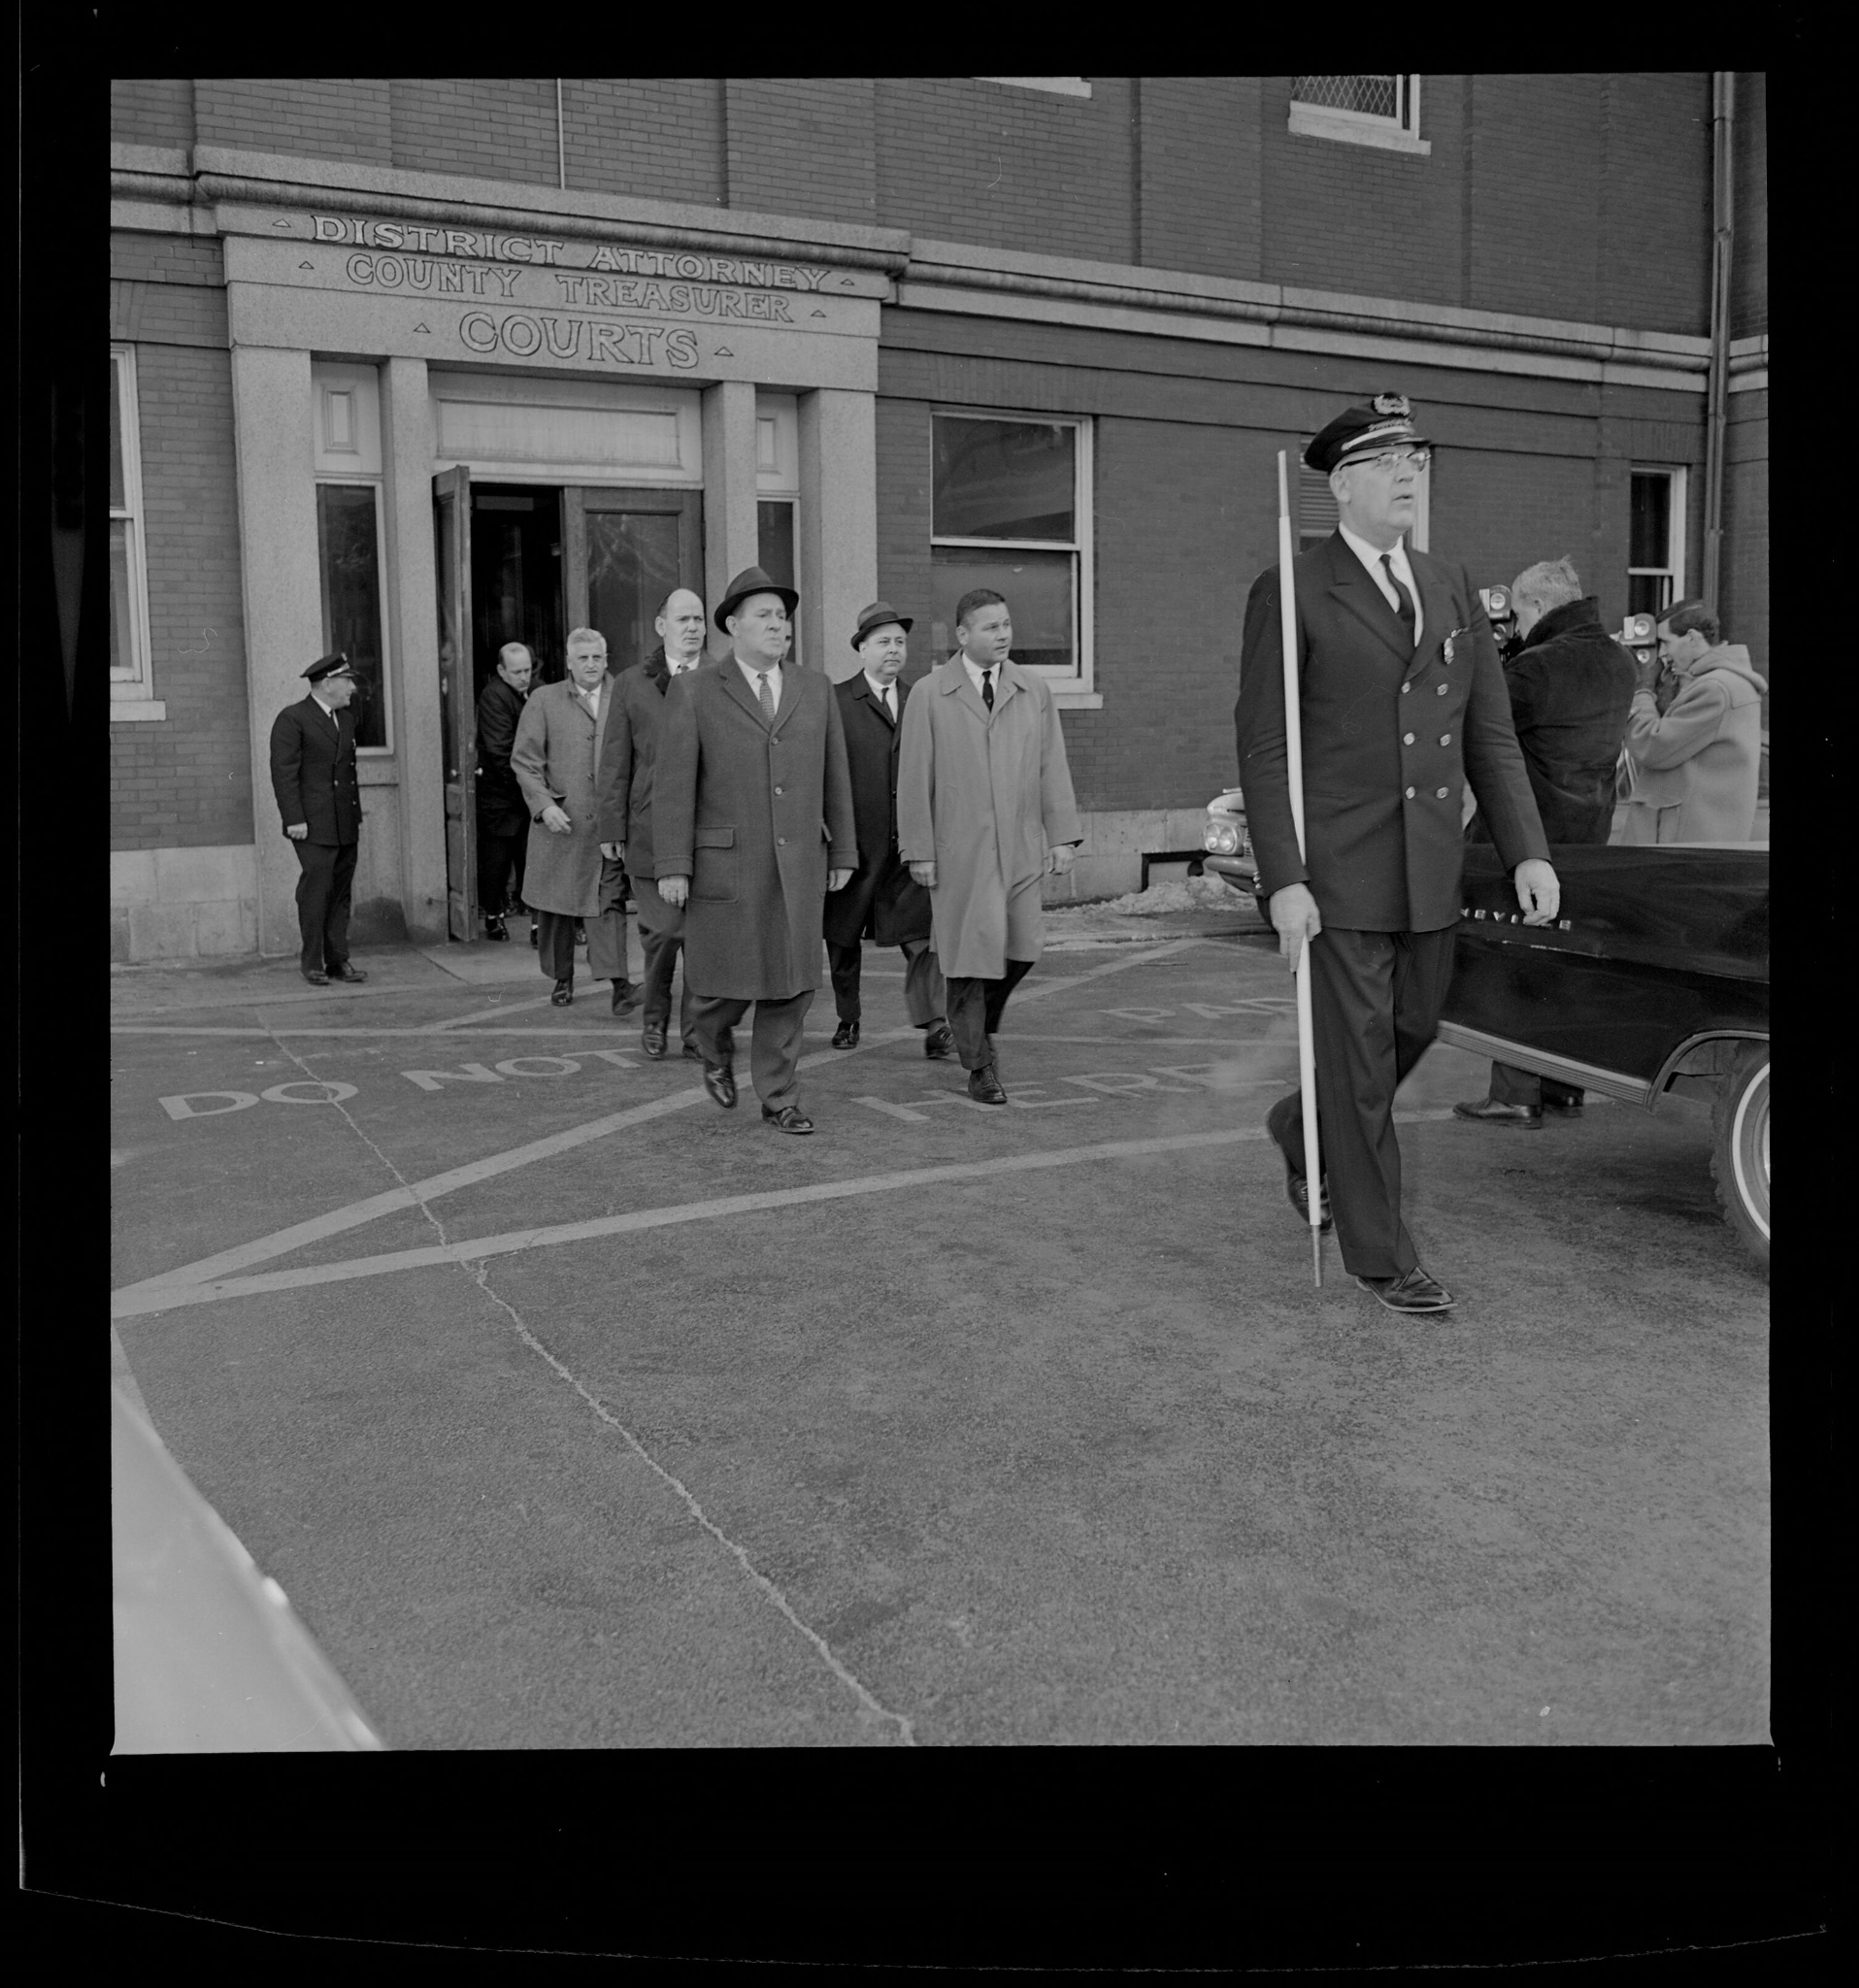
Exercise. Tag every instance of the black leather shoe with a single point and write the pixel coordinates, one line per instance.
(581, 932)
(564, 993)
(653, 1040)
(692, 1053)
(626, 996)
(1568, 1107)
(789, 1118)
(1297, 1191)
(937, 1043)
(1412, 1291)
(720, 1080)
(1489, 1111)
(845, 1036)
(317, 980)
(535, 933)
(495, 928)
(353, 974)
(985, 1087)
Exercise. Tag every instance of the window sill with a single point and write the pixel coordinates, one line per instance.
(1311, 120)
(1077, 699)
(138, 711)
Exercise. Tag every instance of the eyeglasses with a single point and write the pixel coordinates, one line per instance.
(1390, 460)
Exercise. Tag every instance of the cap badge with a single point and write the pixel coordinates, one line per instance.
(1392, 403)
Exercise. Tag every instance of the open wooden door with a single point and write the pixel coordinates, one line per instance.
(458, 701)
(627, 550)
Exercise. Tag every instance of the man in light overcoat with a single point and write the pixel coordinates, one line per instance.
(556, 761)
(984, 809)
(751, 825)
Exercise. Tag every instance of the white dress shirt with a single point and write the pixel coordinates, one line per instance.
(1398, 559)
(974, 670)
(774, 674)
(885, 693)
(589, 700)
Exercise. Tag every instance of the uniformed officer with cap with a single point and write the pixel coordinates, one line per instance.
(1402, 701)
(313, 775)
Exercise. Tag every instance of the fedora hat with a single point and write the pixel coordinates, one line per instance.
(878, 616)
(752, 581)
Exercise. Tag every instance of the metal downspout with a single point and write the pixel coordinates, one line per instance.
(1723, 119)
(561, 142)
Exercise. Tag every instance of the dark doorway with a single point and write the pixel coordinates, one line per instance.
(516, 576)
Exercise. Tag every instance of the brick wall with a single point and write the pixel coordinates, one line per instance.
(186, 783)
(803, 145)
(1749, 271)
(310, 116)
(1533, 193)
(960, 161)
(1653, 246)
(1202, 174)
(1743, 593)
(656, 138)
(480, 128)
(904, 472)
(152, 111)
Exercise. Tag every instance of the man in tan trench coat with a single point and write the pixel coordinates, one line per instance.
(751, 826)
(556, 760)
(984, 809)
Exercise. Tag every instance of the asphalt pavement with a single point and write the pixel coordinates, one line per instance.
(570, 1411)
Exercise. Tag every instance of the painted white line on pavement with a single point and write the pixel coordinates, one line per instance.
(461, 1021)
(437, 1029)
(140, 1300)
(299, 1234)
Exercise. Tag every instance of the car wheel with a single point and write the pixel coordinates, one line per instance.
(1740, 1151)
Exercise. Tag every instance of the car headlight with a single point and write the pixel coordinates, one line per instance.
(1222, 838)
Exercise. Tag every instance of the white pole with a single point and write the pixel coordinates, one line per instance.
(1294, 765)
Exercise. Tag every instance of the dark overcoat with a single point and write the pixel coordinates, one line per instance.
(627, 759)
(556, 759)
(1571, 686)
(501, 810)
(754, 814)
(312, 772)
(1391, 735)
(881, 902)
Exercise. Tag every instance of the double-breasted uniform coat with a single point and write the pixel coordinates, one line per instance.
(983, 796)
(1391, 732)
(755, 814)
(315, 779)
(556, 757)
(882, 901)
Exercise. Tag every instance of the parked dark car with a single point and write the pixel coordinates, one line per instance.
(1653, 979)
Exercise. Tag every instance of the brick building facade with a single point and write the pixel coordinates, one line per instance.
(897, 333)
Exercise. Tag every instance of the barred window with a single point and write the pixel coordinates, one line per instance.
(1359, 109)
(131, 689)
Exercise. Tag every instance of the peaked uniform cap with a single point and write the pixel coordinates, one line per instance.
(1384, 422)
(878, 616)
(326, 666)
(751, 580)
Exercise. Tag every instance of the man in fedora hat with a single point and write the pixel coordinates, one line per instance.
(751, 825)
(985, 810)
(1401, 699)
(313, 775)
(882, 901)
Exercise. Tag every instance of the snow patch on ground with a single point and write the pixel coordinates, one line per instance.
(1195, 894)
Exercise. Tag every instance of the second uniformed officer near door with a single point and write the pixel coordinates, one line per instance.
(882, 901)
(318, 793)
(1402, 701)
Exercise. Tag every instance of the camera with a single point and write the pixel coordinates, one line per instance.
(1503, 617)
(1638, 632)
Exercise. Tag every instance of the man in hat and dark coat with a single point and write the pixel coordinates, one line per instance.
(882, 901)
(556, 761)
(313, 775)
(1402, 701)
(626, 770)
(751, 825)
(503, 815)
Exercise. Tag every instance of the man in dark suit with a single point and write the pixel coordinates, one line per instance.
(1571, 684)
(751, 826)
(882, 901)
(626, 770)
(503, 815)
(313, 775)
(1401, 699)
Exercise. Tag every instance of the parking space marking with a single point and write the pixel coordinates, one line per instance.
(140, 1300)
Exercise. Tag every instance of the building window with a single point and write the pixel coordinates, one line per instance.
(1011, 509)
(1359, 109)
(1655, 540)
(1054, 85)
(131, 675)
(777, 500)
(1317, 508)
(349, 551)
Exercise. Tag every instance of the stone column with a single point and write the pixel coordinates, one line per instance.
(732, 539)
(838, 521)
(275, 448)
(407, 459)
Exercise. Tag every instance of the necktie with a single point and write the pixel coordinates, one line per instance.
(1406, 609)
(890, 703)
(765, 695)
(987, 688)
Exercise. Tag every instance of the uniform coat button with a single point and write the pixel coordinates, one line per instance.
(1439, 793)
(1409, 793)
(1405, 689)
(1445, 737)
(781, 840)
(1407, 738)
(1441, 692)
(777, 790)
